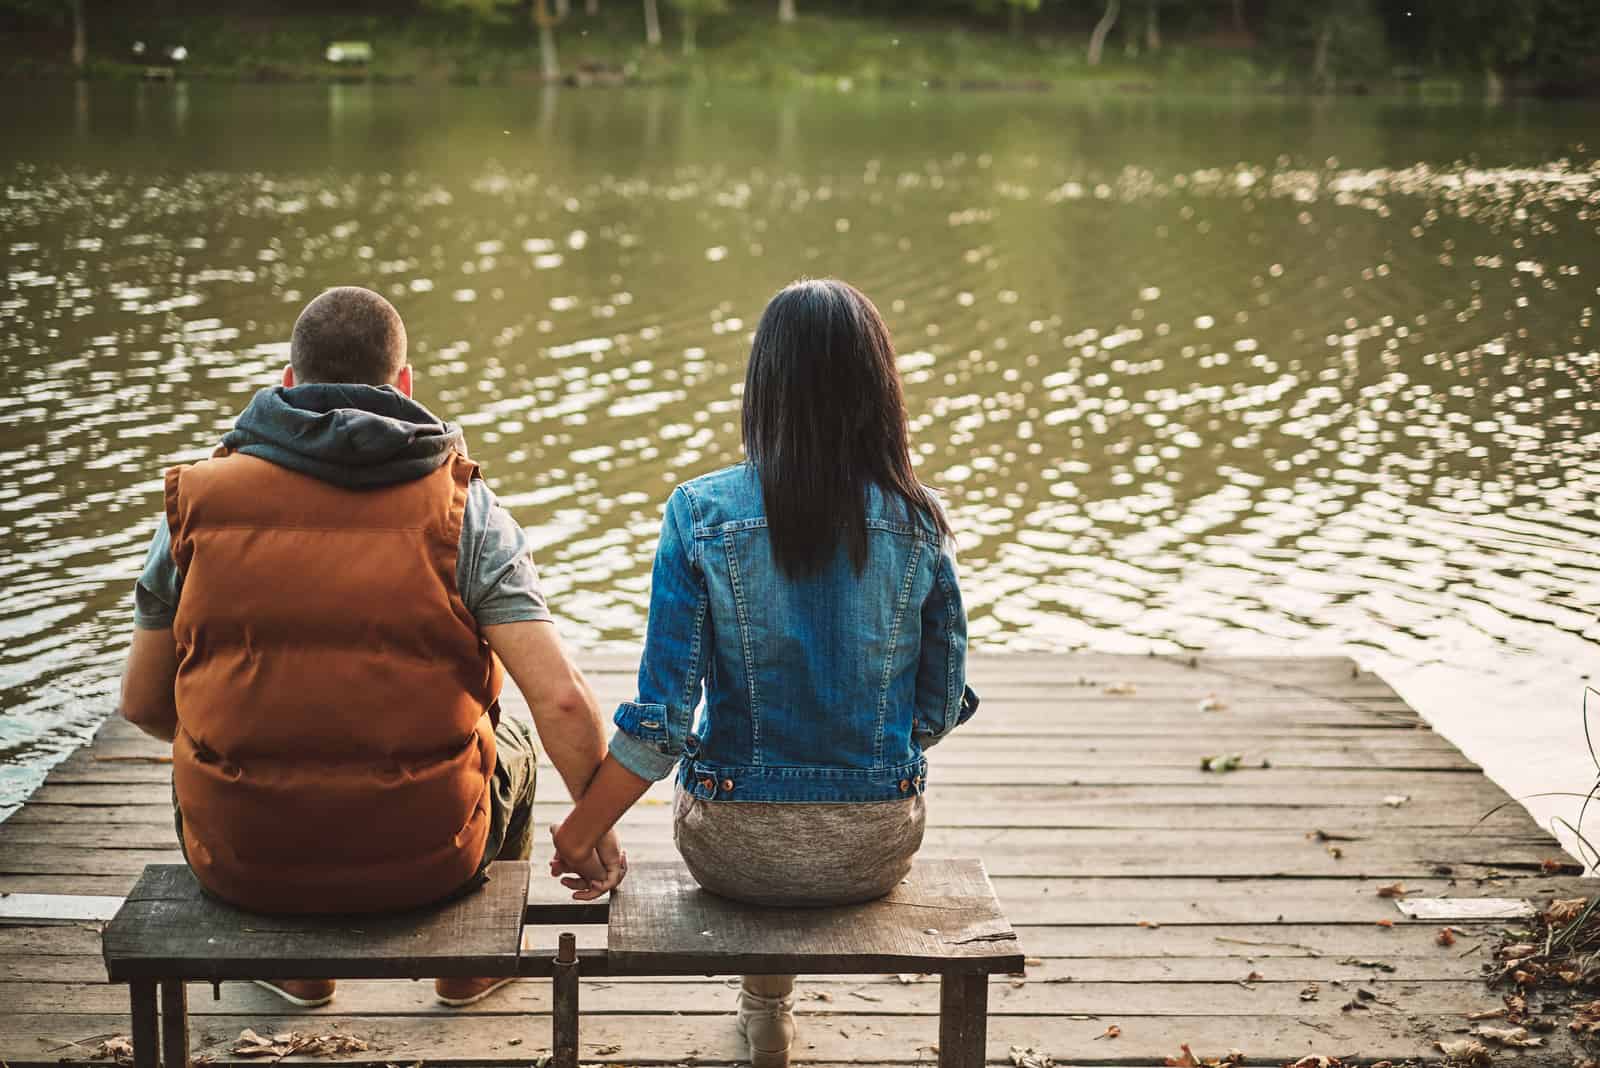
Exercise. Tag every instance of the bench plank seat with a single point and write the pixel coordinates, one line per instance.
(943, 918)
(169, 929)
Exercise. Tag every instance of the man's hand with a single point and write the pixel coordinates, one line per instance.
(588, 873)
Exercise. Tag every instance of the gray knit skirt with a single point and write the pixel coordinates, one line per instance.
(769, 853)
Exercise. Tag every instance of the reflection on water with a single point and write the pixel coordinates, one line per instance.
(1259, 375)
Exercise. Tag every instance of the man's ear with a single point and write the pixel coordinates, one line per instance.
(288, 376)
(402, 381)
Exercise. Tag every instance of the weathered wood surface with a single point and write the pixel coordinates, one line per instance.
(943, 917)
(1078, 785)
(168, 927)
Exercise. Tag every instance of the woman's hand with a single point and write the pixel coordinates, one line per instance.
(589, 872)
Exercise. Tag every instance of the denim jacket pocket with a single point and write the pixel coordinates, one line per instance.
(646, 723)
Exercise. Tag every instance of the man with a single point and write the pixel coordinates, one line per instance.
(319, 631)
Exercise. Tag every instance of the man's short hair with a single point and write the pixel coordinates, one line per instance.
(349, 335)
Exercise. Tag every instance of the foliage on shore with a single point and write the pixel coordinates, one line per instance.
(1016, 44)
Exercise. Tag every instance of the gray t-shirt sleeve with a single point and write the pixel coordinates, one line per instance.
(494, 568)
(155, 595)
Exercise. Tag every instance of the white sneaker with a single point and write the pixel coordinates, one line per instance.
(767, 1024)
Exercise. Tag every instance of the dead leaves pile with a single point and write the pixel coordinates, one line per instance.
(296, 1044)
(1556, 956)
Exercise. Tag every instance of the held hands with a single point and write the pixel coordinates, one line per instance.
(588, 873)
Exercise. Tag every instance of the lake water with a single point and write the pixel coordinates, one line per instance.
(1254, 375)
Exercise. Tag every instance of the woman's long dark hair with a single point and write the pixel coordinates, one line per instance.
(824, 419)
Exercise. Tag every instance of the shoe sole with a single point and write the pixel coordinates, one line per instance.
(456, 1003)
(304, 1003)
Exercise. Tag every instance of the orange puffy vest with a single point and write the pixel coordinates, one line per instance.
(335, 698)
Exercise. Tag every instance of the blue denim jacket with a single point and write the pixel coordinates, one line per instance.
(822, 689)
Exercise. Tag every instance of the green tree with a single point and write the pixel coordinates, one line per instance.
(690, 12)
(1344, 36)
(58, 11)
(1097, 39)
(507, 11)
(652, 24)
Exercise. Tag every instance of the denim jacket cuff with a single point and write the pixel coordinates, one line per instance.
(643, 759)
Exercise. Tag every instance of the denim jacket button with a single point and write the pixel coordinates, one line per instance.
(904, 785)
(708, 784)
(727, 786)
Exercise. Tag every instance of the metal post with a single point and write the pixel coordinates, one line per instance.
(564, 1004)
(146, 1029)
(174, 1024)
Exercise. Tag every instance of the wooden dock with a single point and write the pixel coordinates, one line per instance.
(1161, 903)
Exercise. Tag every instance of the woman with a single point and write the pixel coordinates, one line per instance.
(812, 592)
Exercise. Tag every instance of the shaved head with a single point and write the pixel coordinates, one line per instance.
(349, 335)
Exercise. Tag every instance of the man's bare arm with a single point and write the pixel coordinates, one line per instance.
(147, 683)
(565, 711)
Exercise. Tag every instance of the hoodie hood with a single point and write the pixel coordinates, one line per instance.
(358, 437)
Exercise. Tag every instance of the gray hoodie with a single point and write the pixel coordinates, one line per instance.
(366, 437)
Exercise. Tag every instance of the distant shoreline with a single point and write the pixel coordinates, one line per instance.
(831, 52)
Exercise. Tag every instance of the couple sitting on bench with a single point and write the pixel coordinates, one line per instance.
(327, 604)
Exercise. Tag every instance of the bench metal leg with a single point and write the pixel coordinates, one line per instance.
(174, 1023)
(564, 1005)
(146, 1029)
(963, 1020)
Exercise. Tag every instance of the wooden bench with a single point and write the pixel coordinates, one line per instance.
(943, 919)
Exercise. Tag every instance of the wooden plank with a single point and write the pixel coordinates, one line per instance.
(150, 827)
(620, 1039)
(1056, 852)
(942, 917)
(847, 996)
(17, 972)
(167, 927)
(56, 908)
(1081, 772)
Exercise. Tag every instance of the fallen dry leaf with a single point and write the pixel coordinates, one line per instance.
(1445, 937)
(1385, 923)
(817, 995)
(1486, 1014)
(1518, 950)
(1031, 962)
(1028, 1057)
(1564, 911)
(1228, 762)
(1586, 1019)
(1186, 1059)
(1212, 703)
(1149, 923)
(1120, 689)
(1335, 852)
(1396, 800)
(296, 1044)
(1315, 1060)
(116, 1048)
(1515, 1037)
(1467, 1052)
(1393, 890)
(1112, 1031)
(1310, 992)
(1551, 866)
(1253, 977)
(606, 1050)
